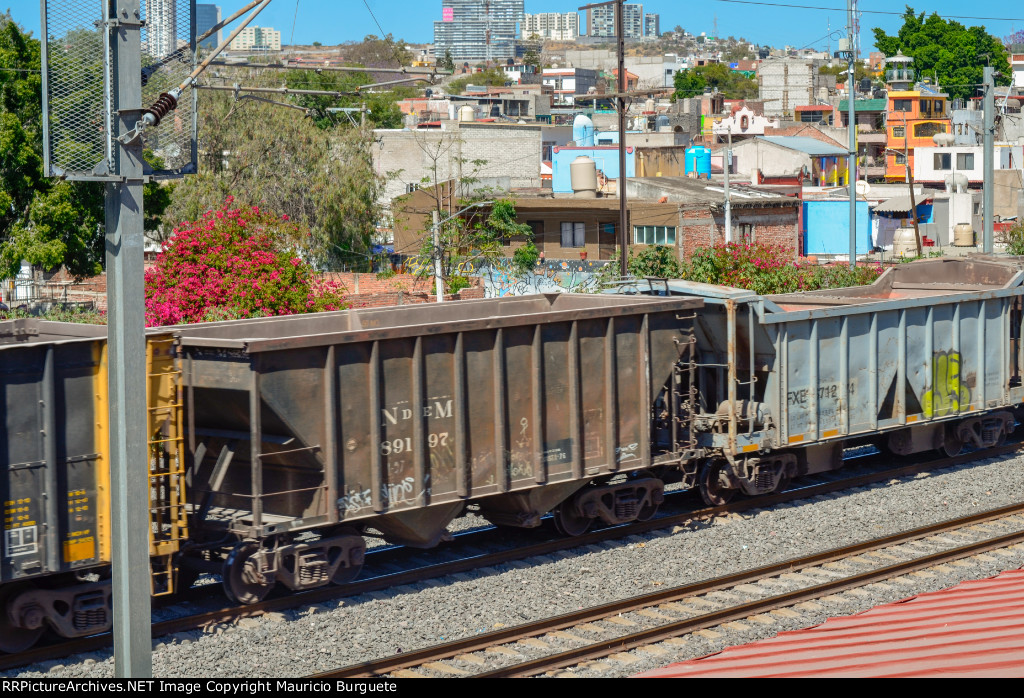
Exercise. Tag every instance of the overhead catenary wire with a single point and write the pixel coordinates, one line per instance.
(860, 11)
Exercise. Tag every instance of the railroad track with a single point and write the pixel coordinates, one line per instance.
(641, 622)
(474, 559)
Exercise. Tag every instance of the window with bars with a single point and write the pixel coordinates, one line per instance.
(573, 234)
(654, 235)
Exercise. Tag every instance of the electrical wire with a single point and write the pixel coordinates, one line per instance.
(295, 19)
(394, 49)
(872, 12)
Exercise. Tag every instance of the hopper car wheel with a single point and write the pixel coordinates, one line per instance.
(344, 575)
(712, 491)
(242, 582)
(14, 639)
(646, 513)
(568, 522)
(784, 482)
(951, 443)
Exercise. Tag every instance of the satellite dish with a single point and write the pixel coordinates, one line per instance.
(862, 188)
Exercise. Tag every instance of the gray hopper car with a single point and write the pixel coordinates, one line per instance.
(395, 418)
(927, 357)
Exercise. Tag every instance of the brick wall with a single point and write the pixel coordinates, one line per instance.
(702, 227)
(368, 291)
(363, 290)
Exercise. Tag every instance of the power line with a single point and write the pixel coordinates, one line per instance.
(871, 12)
(294, 20)
(394, 49)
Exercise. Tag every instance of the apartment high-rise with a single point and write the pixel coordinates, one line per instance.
(601, 21)
(652, 25)
(551, 25)
(478, 30)
(208, 16)
(161, 33)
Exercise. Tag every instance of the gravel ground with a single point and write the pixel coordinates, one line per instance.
(360, 628)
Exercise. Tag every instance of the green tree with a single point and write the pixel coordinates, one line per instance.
(47, 222)
(447, 63)
(947, 50)
(275, 157)
(733, 85)
(494, 77)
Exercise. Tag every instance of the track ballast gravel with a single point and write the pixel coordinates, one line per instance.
(361, 628)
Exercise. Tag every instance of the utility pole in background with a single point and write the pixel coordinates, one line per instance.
(620, 42)
(851, 94)
(988, 200)
(726, 166)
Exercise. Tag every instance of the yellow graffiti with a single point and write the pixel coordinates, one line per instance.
(947, 393)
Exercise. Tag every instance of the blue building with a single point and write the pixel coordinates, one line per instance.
(605, 157)
(826, 228)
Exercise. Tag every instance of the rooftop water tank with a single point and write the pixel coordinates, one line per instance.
(661, 123)
(466, 113)
(583, 177)
(698, 162)
(583, 131)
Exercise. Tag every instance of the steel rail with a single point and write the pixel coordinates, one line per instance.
(596, 613)
(471, 562)
(664, 632)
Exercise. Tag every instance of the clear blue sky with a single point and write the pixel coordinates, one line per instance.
(336, 21)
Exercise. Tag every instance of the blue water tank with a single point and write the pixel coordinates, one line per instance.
(698, 160)
(583, 131)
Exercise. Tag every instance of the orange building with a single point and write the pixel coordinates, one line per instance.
(913, 115)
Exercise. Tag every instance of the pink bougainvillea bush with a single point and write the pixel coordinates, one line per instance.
(234, 263)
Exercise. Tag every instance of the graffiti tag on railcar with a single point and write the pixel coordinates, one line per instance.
(948, 394)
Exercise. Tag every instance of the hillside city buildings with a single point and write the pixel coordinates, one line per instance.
(474, 30)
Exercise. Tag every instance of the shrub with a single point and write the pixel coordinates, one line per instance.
(233, 263)
(767, 269)
(656, 260)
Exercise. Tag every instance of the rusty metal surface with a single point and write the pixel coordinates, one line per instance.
(365, 414)
(971, 630)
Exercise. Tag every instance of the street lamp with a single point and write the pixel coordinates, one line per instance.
(435, 230)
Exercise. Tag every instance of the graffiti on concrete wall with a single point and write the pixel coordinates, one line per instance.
(556, 276)
(500, 278)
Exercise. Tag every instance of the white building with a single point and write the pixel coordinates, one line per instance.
(1017, 65)
(933, 163)
(567, 82)
(161, 28)
(257, 39)
(551, 25)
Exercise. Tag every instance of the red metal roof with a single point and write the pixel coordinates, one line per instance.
(975, 629)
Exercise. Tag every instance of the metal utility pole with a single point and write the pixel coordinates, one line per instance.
(851, 94)
(126, 346)
(726, 166)
(438, 283)
(988, 201)
(620, 36)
